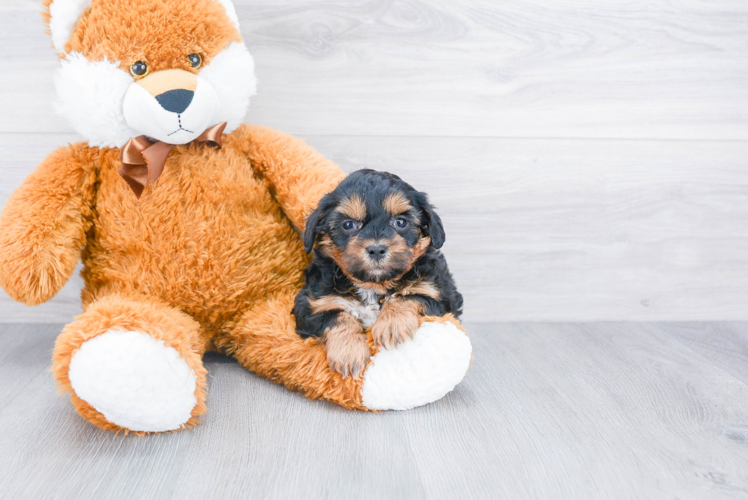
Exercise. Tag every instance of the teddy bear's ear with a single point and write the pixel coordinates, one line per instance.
(61, 16)
(231, 12)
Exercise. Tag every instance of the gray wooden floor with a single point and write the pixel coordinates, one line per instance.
(548, 410)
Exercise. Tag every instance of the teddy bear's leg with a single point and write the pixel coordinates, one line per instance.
(265, 341)
(417, 372)
(133, 364)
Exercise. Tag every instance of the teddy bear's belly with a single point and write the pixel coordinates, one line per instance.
(209, 252)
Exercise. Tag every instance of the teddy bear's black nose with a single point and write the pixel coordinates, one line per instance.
(176, 100)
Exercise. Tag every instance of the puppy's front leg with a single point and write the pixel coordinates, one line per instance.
(397, 322)
(346, 346)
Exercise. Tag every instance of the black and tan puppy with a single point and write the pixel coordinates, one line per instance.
(376, 264)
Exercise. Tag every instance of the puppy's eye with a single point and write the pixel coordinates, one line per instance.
(139, 68)
(350, 225)
(401, 222)
(196, 60)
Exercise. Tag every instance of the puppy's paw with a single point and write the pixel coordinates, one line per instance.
(397, 322)
(348, 352)
(348, 356)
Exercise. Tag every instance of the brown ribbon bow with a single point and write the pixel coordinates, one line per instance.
(143, 161)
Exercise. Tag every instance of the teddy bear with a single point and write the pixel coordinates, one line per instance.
(188, 223)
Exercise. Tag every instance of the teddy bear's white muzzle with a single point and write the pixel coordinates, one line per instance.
(175, 116)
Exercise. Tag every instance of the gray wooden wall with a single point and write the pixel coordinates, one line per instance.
(589, 159)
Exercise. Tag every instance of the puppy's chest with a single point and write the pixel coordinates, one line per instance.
(368, 307)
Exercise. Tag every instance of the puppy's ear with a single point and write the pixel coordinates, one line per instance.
(316, 224)
(431, 223)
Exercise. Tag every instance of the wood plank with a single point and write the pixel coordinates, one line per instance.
(585, 411)
(545, 229)
(21, 354)
(572, 68)
(723, 344)
(541, 230)
(599, 410)
(314, 449)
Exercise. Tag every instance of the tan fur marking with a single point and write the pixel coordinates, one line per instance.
(396, 203)
(421, 247)
(397, 322)
(425, 288)
(353, 207)
(170, 79)
(325, 246)
(347, 257)
(346, 346)
(380, 288)
(332, 303)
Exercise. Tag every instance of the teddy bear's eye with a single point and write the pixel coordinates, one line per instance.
(139, 68)
(195, 60)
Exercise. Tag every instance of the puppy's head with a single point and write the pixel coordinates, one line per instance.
(167, 69)
(374, 226)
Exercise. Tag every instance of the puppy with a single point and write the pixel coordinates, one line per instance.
(376, 264)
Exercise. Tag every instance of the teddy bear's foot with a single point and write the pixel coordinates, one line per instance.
(133, 364)
(418, 371)
(134, 380)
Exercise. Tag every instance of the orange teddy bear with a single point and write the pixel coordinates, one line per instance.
(187, 224)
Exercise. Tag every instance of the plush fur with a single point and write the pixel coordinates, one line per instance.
(376, 264)
(90, 96)
(209, 257)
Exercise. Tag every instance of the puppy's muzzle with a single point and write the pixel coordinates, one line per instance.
(376, 253)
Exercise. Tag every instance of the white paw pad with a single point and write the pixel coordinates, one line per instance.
(134, 380)
(418, 371)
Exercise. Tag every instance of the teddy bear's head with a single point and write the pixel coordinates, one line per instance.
(167, 69)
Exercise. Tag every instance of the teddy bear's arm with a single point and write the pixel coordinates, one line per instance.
(296, 174)
(43, 225)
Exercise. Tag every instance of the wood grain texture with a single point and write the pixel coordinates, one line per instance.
(601, 410)
(570, 68)
(545, 229)
(589, 159)
(581, 230)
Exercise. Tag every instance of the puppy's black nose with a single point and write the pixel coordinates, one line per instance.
(376, 252)
(176, 100)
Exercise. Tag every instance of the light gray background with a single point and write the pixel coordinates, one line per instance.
(589, 159)
(590, 162)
